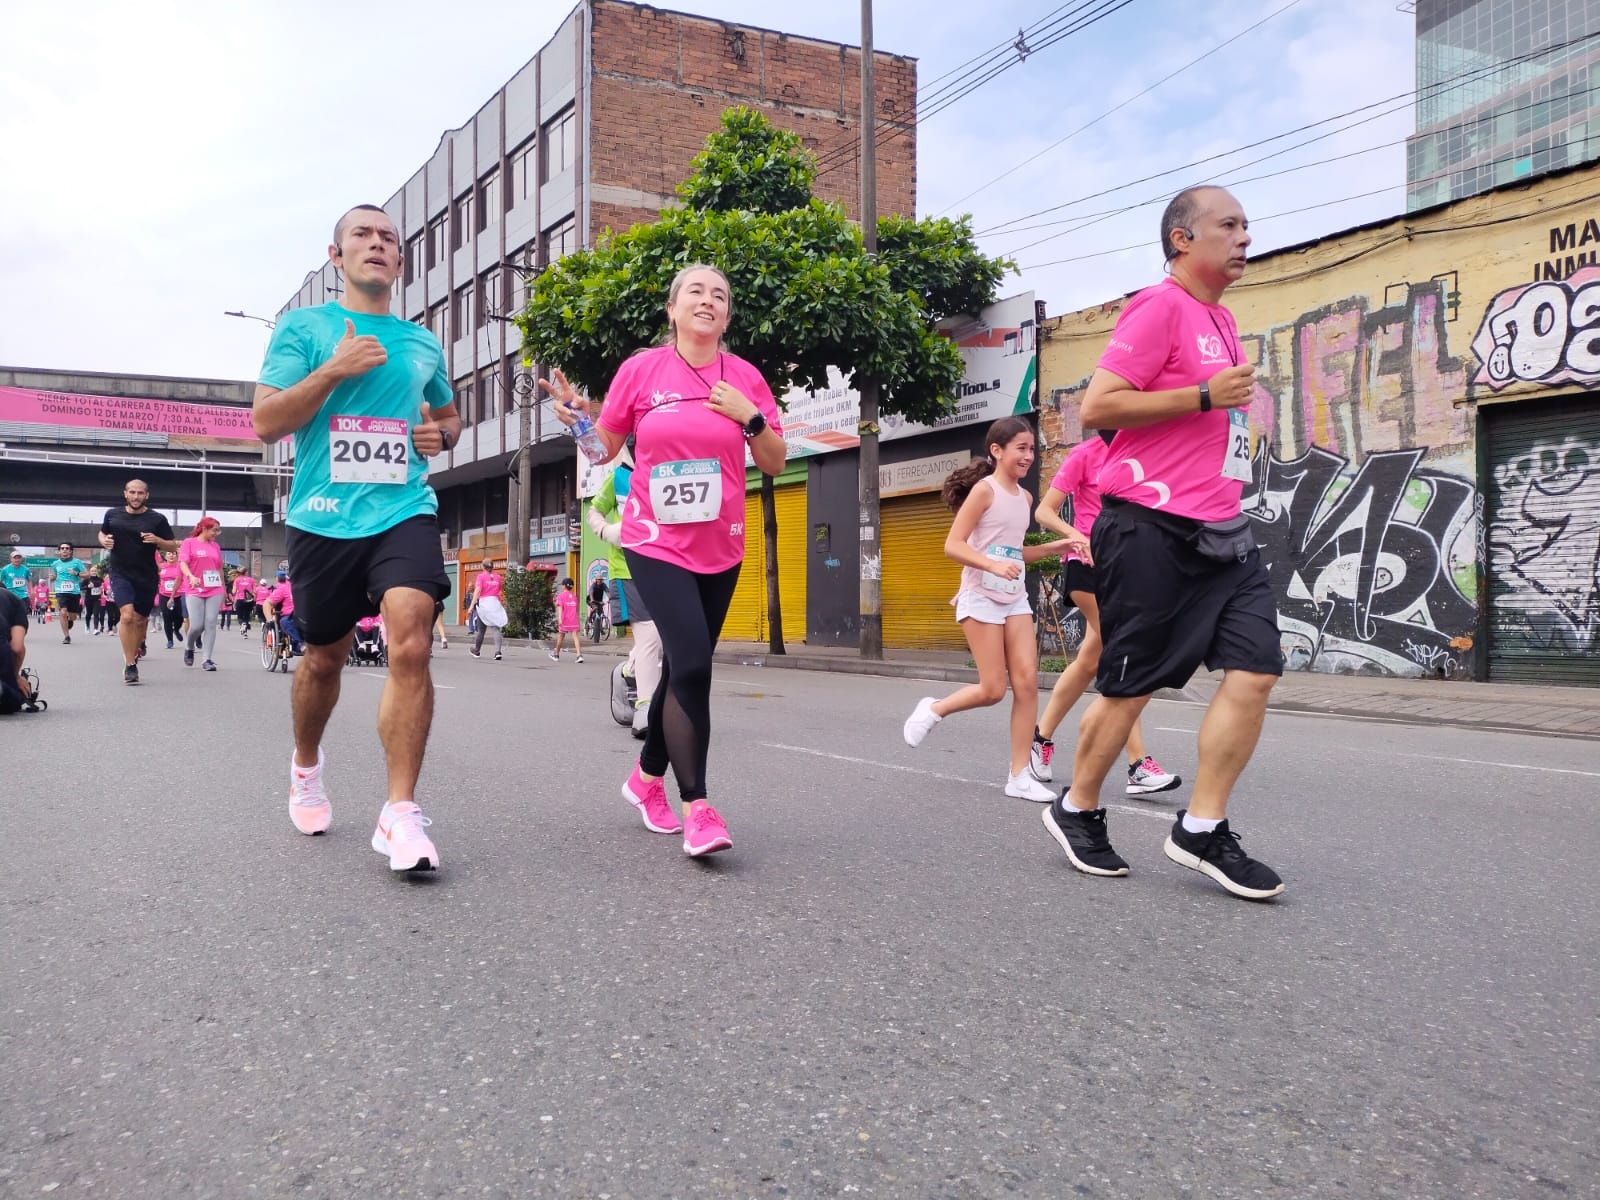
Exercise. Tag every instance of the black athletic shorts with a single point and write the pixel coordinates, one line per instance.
(1077, 577)
(244, 609)
(1165, 608)
(69, 602)
(141, 593)
(337, 581)
(637, 609)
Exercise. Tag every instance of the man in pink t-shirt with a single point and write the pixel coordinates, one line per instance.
(1179, 578)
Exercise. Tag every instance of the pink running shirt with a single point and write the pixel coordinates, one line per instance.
(281, 597)
(488, 584)
(660, 397)
(567, 606)
(244, 588)
(1079, 477)
(201, 556)
(1166, 339)
(171, 579)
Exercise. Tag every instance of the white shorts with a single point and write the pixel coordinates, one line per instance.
(991, 612)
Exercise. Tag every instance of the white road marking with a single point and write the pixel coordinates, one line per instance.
(438, 687)
(984, 783)
(1473, 762)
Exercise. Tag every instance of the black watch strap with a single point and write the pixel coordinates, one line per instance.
(1205, 397)
(755, 426)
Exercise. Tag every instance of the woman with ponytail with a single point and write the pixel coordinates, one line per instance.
(992, 512)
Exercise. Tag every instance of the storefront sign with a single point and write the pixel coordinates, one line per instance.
(177, 419)
(919, 474)
(1000, 380)
(547, 546)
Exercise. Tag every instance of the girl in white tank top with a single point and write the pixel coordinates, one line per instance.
(992, 514)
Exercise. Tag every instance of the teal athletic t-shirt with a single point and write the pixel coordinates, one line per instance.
(356, 472)
(67, 575)
(15, 580)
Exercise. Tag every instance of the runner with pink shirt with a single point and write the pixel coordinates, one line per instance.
(566, 602)
(200, 560)
(1179, 577)
(694, 409)
(486, 592)
(244, 601)
(991, 520)
(169, 595)
(1078, 478)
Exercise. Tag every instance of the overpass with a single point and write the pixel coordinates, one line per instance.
(75, 437)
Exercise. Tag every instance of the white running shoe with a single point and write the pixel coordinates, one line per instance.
(922, 719)
(1147, 776)
(1026, 787)
(641, 720)
(309, 807)
(1039, 756)
(578, 659)
(400, 836)
(554, 657)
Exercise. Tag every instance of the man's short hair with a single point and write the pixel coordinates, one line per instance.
(338, 227)
(1180, 213)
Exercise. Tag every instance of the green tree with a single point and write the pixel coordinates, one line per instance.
(530, 611)
(806, 295)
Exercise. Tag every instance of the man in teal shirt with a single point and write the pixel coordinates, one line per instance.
(69, 590)
(14, 577)
(367, 397)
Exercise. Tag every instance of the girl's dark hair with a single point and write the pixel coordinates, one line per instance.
(567, 582)
(959, 483)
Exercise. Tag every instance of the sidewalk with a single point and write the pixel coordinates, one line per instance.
(1521, 708)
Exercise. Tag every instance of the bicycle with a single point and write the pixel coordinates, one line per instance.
(598, 627)
(275, 649)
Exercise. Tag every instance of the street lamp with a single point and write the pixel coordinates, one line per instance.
(251, 317)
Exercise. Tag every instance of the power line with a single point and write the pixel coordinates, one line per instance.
(1120, 107)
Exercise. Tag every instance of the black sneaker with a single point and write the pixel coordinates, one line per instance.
(1083, 836)
(130, 674)
(1219, 855)
(67, 640)
(188, 656)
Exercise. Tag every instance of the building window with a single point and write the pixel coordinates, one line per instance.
(488, 393)
(489, 306)
(414, 252)
(462, 224)
(560, 240)
(489, 201)
(466, 406)
(464, 319)
(560, 145)
(524, 173)
(438, 242)
(438, 322)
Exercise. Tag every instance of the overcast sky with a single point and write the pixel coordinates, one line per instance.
(168, 161)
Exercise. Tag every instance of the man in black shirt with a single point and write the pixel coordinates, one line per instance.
(13, 629)
(134, 535)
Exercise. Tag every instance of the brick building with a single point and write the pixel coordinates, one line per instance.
(594, 132)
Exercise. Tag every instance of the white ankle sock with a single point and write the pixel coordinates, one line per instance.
(1199, 824)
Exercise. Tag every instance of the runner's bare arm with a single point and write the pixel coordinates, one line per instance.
(278, 412)
(1048, 514)
(1113, 403)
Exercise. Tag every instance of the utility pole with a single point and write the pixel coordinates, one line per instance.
(524, 530)
(871, 552)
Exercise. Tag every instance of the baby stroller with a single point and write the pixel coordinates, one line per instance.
(367, 648)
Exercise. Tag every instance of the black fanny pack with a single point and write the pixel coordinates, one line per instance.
(1220, 541)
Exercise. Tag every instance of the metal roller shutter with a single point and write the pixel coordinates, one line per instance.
(747, 616)
(1542, 515)
(918, 580)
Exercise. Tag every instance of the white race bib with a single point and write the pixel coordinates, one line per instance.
(210, 579)
(1236, 458)
(368, 449)
(999, 583)
(687, 492)
(170, 586)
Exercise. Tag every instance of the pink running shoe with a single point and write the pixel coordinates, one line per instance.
(703, 830)
(400, 835)
(309, 808)
(651, 801)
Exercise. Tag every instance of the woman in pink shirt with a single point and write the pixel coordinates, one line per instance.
(694, 410)
(992, 509)
(486, 592)
(1079, 479)
(200, 559)
(169, 595)
(244, 601)
(566, 602)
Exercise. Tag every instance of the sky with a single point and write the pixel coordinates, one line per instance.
(171, 161)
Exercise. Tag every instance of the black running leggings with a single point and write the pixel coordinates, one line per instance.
(172, 620)
(689, 609)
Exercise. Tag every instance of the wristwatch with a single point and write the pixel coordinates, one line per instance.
(755, 426)
(1205, 397)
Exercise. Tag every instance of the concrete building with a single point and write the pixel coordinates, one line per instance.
(595, 132)
(1425, 435)
(1506, 89)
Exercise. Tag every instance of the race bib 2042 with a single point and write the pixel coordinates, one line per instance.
(368, 449)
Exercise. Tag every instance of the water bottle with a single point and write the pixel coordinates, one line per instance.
(588, 437)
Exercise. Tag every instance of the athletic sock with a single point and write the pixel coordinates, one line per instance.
(1199, 824)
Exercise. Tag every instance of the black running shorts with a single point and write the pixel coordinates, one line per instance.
(637, 609)
(1165, 608)
(140, 593)
(337, 581)
(69, 602)
(1078, 577)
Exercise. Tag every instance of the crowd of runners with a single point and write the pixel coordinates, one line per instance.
(1157, 554)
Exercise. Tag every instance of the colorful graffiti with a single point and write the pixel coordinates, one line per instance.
(1546, 333)
(1544, 549)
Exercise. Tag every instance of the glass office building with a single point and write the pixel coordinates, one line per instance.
(1506, 89)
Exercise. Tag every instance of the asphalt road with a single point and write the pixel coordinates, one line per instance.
(893, 985)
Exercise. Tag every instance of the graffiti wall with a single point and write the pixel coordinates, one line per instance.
(1371, 351)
